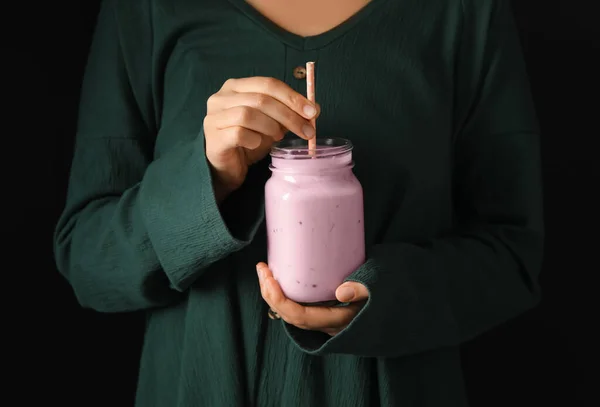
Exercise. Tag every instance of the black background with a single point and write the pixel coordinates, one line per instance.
(61, 353)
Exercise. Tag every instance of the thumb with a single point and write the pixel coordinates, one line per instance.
(351, 292)
(318, 111)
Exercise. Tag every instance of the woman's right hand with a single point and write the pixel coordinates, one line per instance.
(244, 118)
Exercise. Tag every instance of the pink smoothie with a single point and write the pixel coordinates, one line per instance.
(314, 215)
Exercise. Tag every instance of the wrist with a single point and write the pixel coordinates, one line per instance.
(221, 189)
(221, 192)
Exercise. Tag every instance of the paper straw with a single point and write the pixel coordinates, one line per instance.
(310, 95)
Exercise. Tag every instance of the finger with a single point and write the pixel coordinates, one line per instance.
(327, 319)
(277, 90)
(310, 318)
(286, 117)
(351, 292)
(241, 137)
(247, 117)
(273, 315)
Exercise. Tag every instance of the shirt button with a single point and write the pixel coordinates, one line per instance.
(300, 72)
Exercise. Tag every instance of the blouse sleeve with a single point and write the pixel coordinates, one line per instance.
(136, 231)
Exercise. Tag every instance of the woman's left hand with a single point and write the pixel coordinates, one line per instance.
(330, 320)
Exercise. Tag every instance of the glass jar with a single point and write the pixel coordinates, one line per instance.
(314, 217)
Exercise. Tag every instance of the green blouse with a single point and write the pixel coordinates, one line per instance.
(433, 95)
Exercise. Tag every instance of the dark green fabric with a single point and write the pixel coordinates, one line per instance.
(435, 98)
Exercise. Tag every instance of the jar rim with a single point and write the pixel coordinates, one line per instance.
(297, 148)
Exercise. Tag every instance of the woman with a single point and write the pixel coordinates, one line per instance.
(181, 103)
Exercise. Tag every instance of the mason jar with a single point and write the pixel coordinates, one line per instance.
(314, 217)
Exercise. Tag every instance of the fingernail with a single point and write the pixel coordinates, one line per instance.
(309, 131)
(260, 272)
(310, 111)
(345, 294)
